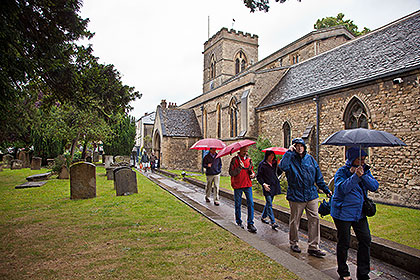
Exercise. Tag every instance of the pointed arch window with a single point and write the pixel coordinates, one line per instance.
(241, 62)
(212, 67)
(286, 135)
(355, 115)
(233, 112)
(219, 121)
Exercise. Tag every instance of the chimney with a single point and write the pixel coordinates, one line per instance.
(163, 103)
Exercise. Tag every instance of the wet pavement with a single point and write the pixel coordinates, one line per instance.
(274, 243)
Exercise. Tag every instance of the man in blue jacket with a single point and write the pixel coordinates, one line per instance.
(213, 168)
(351, 184)
(302, 173)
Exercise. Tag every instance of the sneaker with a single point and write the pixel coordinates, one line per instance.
(252, 228)
(316, 253)
(241, 225)
(274, 226)
(264, 220)
(207, 200)
(295, 248)
(216, 203)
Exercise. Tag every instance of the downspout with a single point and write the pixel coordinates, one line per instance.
(316, 99)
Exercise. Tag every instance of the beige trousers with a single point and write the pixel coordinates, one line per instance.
(296, 211)
(213, 179)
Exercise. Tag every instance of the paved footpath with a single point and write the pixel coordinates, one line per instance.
(273, 243)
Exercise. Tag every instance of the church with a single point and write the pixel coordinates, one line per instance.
(323, 82)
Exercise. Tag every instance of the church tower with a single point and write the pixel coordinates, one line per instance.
(227, 54)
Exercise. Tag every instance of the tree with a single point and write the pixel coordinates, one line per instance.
(339, 20)
(255, 152)
(260, 5)
(122, 140)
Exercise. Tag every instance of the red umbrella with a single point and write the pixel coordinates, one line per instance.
(207, 143)
(228, 150)
(276, 150)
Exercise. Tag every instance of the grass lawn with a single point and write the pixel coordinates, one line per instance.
(399, 224)
(150, 235)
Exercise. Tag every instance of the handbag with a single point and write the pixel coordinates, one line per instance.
(324, 208)
(369, 207)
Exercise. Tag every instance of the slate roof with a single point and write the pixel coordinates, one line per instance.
(391, 49)
(179, 122)
(149, 118)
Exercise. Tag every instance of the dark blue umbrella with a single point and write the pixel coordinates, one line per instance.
(363, 137)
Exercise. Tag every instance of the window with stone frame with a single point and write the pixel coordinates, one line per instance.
(355, 115)
(212, 67)
(233, 114)
(219, 121)
(286, 135)
(241, 62)
(205, 123)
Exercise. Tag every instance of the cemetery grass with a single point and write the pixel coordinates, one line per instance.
(398, 224)
(149, 235)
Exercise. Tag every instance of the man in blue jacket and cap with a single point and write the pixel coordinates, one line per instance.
(302, 173)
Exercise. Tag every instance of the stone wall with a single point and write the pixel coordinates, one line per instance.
(392, 108)
(176, 154)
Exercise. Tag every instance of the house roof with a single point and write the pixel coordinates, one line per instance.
(179, 122)
(149, 118)
(387, 50)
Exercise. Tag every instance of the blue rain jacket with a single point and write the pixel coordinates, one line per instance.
(349, 189)
(302, 174)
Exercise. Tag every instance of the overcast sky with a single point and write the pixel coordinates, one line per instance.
(157, 45)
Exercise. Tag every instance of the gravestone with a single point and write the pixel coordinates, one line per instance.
(108, 160)
(16, 164)
(38, 177)
(64, 173)
(24, 157)
(95, 156)
(119, 159)
(125, 181)
(82, 180)
(50, 162)
(110, 173)
(30, 185)
(36, 163)
(115, 169)
(8, 159)
(89, 159)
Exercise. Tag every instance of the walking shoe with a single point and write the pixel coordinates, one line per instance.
(274, 226)
(295, 248)
(264, 220)
(241, 225)
(252, 229)
(207, 200)
(316, 253)
(216, 203)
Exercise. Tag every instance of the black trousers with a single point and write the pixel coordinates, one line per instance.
(361, 229)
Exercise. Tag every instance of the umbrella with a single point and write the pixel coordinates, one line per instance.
(228, 150)
(276, 150)
(207, 144)
(364, 138)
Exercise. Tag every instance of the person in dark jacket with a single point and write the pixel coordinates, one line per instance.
(267, 176)
(213, 168)
(351, 184)
(302, 173)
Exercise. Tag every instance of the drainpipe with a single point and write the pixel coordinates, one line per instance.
(316, 99)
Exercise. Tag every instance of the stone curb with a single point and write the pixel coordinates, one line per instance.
(396, 254)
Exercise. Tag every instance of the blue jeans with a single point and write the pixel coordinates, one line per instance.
(249, 202)
(268, 209)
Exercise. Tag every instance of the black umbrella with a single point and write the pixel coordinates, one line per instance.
(363, 137)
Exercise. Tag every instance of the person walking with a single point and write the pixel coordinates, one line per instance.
(267, 176)
(241, 171)
(302, 173)
(213, 168)
(351, 184)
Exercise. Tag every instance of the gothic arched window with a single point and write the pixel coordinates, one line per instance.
(233, 112)
(212, 67)
(240, 62)
(219, 121)
(355, 115)
(286, 135)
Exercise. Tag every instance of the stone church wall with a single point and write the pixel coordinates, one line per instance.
(176, 154)
(392, 108)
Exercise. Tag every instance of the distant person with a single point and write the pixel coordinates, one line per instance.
(302, 173)
(213, 168)
(241, 171)
(267, 176)
(351, 184)
(145, 161)
(152, 162)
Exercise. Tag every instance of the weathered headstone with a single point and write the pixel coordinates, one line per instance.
(119, 159)
(7, 159)
(24, 157)
(16, 164)
(110, 173)
(125, 181)
(95, 156)
(36, 163)
(115, 169)
(89, 159)
(108, 160)
(82, 180)
(30, 185)
(38, 177)
(64, 173)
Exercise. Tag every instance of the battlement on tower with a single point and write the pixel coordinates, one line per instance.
(231, 34)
